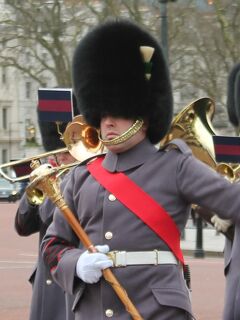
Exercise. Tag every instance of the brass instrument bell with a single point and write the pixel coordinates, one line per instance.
(81, 139)
(193, 125)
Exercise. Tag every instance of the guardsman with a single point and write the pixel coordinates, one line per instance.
(134, 202)
(231, 250)
(49, 300)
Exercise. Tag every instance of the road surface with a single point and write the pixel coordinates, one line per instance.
(18, 255)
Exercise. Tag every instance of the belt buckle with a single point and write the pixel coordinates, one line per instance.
(156, 257)
(118, 258)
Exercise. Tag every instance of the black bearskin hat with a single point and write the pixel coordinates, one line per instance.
(49, 131)
(50, 136)
(109, 77)
(233, 95)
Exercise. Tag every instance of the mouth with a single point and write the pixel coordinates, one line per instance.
(111, 135)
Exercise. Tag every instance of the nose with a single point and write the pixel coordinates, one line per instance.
(108, 121)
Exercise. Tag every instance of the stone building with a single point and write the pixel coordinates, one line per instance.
(19, 132)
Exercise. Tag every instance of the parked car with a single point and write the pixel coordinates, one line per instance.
(9, 192)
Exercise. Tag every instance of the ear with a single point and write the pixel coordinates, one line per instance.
(145, 125)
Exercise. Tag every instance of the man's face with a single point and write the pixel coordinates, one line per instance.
(64, 158)
(112, 127)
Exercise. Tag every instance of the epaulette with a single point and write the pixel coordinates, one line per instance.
(177, 144)
(91, 158)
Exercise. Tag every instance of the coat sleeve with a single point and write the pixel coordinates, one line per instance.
(60, 246)
(27, 220)
(201, 185)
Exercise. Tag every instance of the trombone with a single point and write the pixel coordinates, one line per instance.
(81, 142)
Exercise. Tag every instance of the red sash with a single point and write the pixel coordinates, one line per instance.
(140, 203)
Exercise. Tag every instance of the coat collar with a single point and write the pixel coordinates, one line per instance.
(131, 158)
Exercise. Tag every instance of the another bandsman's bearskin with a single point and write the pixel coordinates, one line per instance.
(50, 136)
(49, 132)
(233, 96)
(109, 77)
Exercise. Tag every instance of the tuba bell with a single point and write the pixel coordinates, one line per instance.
(194, 125)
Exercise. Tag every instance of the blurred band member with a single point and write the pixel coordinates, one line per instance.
(49, 300)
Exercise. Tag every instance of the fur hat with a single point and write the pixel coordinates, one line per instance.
(109, 77)
(233, 95)
(49, 131)
(50, 136)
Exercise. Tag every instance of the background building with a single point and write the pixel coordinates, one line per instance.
(37, 39)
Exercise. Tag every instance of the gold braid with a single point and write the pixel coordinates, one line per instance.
(125, 136)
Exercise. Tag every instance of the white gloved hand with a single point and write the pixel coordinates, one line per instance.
(221, 225)
(38, 172)
(90, 265)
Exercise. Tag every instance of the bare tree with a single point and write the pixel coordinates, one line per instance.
(38, 37)
(204, 47)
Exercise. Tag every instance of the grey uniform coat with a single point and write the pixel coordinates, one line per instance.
(175, 179)
(48, 298)
(232, 273)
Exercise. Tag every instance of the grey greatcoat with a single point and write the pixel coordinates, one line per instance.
(175, 179)
(232, 273)
(48, 298)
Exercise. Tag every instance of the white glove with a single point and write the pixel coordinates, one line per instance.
(221, 225)
(90, 265)
(38, 172)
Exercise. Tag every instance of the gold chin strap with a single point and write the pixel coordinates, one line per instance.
(124, 136)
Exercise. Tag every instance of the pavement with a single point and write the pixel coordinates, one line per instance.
(18, 256)
(212, 241)
(212, 244)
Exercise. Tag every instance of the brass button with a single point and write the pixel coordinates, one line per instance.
(111, 197)
(109, 313)
(48, 282)
(108, 235)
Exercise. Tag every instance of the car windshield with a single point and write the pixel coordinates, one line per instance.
(9, 192)
(4, 184)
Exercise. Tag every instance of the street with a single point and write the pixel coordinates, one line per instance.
(19, 254)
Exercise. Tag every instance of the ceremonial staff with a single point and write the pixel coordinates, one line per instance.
(47, 182)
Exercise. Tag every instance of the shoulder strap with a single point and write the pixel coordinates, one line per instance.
(140, 203)
(179, 144)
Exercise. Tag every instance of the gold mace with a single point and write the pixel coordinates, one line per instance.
(48, 183)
